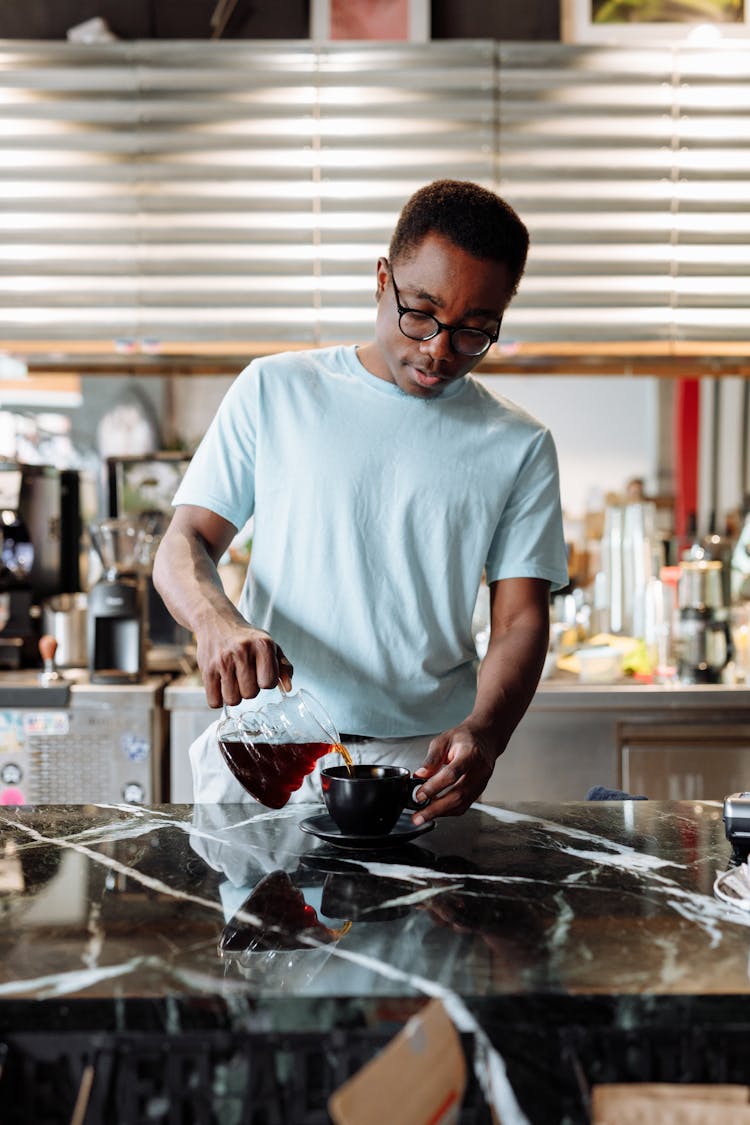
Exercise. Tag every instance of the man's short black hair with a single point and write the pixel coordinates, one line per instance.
(475, 219)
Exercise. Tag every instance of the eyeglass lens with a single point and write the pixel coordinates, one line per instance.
(423, 326)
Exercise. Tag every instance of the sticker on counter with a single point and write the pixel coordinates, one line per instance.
(11, 731)
(135, 746)
(11, 773)
(12, 797)
(133, 792)
(37, 723)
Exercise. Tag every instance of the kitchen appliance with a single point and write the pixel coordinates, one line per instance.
(736, 816)
(703, 643)
(91, 743)
(41, 532)
(116, 634)
(17, 633)
(630, 558)
(144, 486)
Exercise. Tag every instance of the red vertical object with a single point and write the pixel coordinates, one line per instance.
(686, 437)
(370, 19)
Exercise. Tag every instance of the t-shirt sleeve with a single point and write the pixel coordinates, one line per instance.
(529, 541)
(221, 474)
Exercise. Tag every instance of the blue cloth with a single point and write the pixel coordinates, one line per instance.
(602, 793)
(374, 514)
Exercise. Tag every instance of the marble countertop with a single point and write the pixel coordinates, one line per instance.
(121, 902)
(549, 931)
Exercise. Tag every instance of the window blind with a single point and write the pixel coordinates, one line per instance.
(188, 196)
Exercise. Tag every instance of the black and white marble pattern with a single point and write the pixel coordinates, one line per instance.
(115, 917)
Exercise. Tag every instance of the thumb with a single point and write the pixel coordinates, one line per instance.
(436, 753)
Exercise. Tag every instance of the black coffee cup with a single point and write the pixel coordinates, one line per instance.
(367, 800)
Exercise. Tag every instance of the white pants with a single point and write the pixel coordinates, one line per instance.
(214, 783)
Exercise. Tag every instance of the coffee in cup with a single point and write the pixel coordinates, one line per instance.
(367, 800)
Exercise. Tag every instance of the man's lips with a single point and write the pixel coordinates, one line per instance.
(428, 378)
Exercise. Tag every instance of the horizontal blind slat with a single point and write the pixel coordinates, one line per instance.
(233, 190)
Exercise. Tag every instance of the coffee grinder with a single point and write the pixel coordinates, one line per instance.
(143, 486)
(116, 635)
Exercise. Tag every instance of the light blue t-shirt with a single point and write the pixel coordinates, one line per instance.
(375, 513)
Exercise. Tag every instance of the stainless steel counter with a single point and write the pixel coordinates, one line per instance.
(186, 693)
(570, 693)
(669, 742)
(675, 742)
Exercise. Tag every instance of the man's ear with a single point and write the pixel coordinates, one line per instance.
(381, 277)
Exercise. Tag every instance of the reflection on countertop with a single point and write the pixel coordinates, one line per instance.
(504, 899)
(226, 917)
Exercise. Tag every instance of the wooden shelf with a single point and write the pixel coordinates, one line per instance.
(694, 359)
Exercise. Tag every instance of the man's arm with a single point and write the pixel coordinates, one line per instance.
(461, 760)
(235, 659)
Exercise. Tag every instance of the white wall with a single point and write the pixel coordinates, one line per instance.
(605, 430)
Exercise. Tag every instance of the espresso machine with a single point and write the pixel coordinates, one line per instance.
(40, 533)
(116, 611)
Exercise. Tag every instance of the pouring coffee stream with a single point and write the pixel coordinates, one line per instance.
(271, 749)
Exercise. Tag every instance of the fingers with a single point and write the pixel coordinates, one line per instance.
(259, 666)
(452, 802)
(256, 666)
(243, 668)
(456, 771)
(213, 689)
(436, 753)
(286, 671)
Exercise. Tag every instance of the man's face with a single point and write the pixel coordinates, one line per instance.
(452, 285)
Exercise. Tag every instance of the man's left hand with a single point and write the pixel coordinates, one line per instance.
(458, 765)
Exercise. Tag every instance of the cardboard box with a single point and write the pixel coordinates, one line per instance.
(419, 1078)
(663, 1103)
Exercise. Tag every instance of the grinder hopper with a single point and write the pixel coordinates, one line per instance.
(116, 634)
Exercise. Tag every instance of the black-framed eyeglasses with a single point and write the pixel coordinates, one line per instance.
(423, 326)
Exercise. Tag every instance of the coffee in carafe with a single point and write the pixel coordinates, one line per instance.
(272, 749)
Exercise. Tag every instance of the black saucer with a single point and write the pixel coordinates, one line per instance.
(325, 828)
(331, 860)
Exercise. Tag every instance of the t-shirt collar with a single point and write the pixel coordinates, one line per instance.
(384, 387)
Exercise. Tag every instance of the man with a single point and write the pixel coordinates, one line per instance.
(383, 482)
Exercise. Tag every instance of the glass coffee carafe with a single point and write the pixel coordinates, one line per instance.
(272, 749)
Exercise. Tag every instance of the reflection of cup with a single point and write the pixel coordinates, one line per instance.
(367, 800)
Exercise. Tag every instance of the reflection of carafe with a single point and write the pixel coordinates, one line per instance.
(704, 629)
(115, 605)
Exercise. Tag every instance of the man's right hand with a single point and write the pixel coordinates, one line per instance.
(237, 661)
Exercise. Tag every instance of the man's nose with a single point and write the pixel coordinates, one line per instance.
(439, 346)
